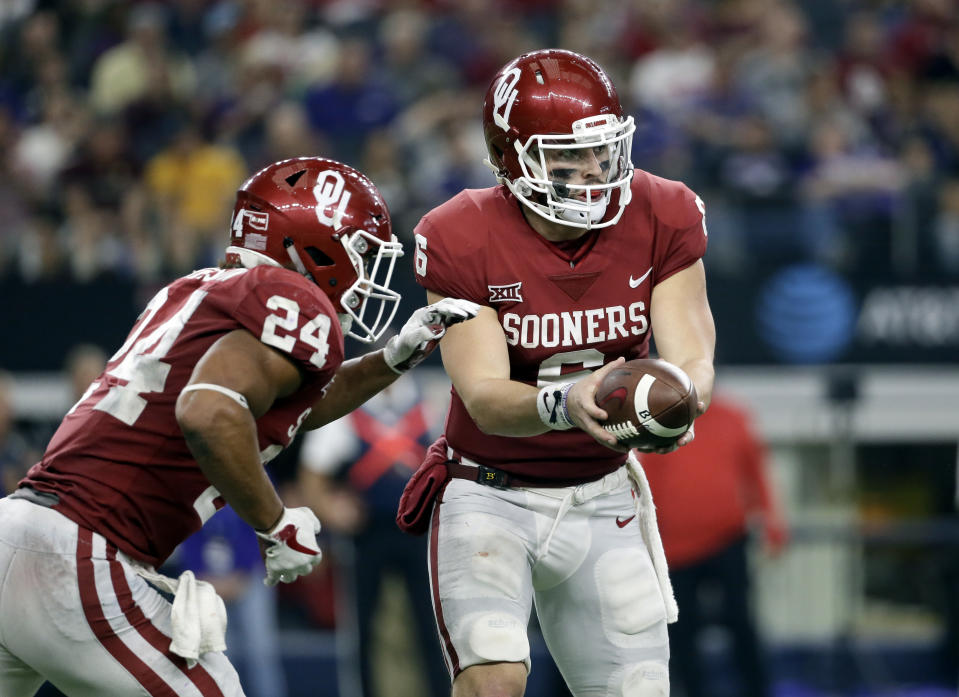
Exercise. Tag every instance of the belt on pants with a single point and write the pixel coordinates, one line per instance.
(460, 467)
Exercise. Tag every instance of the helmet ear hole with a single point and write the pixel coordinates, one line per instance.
(319, 257)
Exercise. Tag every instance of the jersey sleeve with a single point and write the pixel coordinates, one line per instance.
(287, 312)
(450, 253)
(681, 216)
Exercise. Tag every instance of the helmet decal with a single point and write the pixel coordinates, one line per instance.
(330, 191)
(505, 94)
(257, 220)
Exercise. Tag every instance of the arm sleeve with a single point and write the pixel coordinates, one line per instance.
(452, 263)
(681, 215)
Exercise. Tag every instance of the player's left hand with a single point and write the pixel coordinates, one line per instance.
(423, 330)
(290, 548)
(684, 439)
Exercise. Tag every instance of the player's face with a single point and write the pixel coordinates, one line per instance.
(579, 166)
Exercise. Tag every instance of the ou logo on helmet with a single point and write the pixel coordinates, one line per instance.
(505, 96)
(330, 192)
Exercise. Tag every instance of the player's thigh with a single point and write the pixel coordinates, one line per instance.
(605, 625)
(17, 679)
(92, 627)
(480, 576)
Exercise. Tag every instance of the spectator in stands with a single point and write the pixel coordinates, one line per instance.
(286, 133)
(352, 474)
(357, 101)
(192, 183)
(850, 195)
(130, 71)
(413, 72)
(708, 495)
(301, 53)
(83, 364)
(946, 227)
(774, 71)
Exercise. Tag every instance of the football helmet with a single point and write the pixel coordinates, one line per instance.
(328, 222)
(552, 105)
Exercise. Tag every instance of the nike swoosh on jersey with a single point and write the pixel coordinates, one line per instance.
(623, 523)
(634, 282)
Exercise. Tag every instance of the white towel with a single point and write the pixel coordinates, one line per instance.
(646, 511)
(198, 615)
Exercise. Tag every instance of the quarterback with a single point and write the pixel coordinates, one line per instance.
(577, 260)
(219, 373)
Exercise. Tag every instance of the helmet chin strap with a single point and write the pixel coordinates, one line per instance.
(295, 258)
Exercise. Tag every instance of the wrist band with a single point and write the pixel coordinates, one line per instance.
(552, 408)
(390, 359)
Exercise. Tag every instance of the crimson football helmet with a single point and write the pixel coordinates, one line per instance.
(327, 221)
(554, 104)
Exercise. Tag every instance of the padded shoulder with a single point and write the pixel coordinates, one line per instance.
(672, 202)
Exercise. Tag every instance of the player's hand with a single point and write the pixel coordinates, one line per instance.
(583, 410)
(289, 547)
(684, 439)
(690, 435)
(423, 330)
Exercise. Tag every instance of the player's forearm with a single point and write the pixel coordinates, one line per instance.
(223, 442)
(504, 408)
(702, 373)
(355, 382)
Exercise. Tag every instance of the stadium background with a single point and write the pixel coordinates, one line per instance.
(823, 136)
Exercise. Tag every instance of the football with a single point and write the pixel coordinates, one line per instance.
(650, 403)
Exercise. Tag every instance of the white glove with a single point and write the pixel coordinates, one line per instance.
(423, 330)
(290, 546)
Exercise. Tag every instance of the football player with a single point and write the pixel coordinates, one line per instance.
(576, 259)
(219, 373)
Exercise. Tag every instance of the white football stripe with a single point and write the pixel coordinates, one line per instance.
(641, 404)
(144, 596)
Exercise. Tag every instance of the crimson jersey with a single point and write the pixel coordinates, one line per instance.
(119, 462)
(561, 318)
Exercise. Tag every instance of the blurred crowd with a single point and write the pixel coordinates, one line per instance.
(825, 130)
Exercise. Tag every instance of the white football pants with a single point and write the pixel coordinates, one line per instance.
(580, 554)
(73, 612)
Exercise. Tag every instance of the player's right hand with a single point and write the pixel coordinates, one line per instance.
(585, 413)
(290, 548)
(423, 331)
